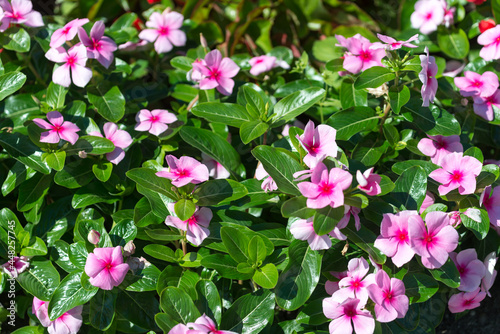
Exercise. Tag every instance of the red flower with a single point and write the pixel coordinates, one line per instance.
(476, 2)
(486, 24)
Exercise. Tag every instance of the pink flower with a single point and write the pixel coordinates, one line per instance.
(325, 188)
(434, 242)
(19, 12)
(58, 129)
(354, 286)
(389, 297)
(120, 138)
(491, 41)
(491, 202)
(74, 59)
(194, 74)
(393, 44)
(269, 184)
(455, 219)
(98, 46)
(457, 172)
(206, 325)
(465, 301)
(154, 121)
(483, 106)
(265, 63)
(448, 13)
(471, 270)
(394, 240)
(319, 143)
(217, 72)
(303, 229)
(196, 226)
(332, 286)
(287, 127)
(165, 30)
(428, 201)
(184, 170)
(215, 169)
(369, 182)
(490, 273)
(68, 323)
(427, 76)
(428, 15)
(437, 147)
(359, 55)
(105, 267)
(348, 211)
(66, 33)
(179, 329)
(16, 265)
(346, 314)
(474, 84)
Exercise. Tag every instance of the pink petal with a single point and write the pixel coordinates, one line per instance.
(42, 124)
(149, 35)
(228, 68)
(115, 156)
(94, 265)
(363, 323)
(81, 75)
(225, 85)
(177, 37)
(61, 76)
(118, 273)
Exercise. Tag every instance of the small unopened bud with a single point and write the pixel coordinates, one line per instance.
(94, 237)
(203, 41)
(464, 102)
(455, 219)
(82, 154)
(129, 248)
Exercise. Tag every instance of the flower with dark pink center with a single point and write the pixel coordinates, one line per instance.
(98, 46)
(184, 170)
(120, 138)
(73, 61)
(437, 147)
(491, 202)
(319, 142)
(483, 106)
(348, 313)
(19, 12)
(66, 33)
(154, 121)
(474, 84)
(196, 226)
(105, 267)
(471, 269)
(389, 296)
(466, 301)
(428, 15)
(59, 129)
(164, 30)
(355, 284)
(217, 72)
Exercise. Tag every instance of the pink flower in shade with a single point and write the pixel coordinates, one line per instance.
(346, 314)
(474, 84)
(427, 76)
(332, 286)
(269, 184)
(303, 229)
(471, 269)
(490, 273)
(265, 63)
(483, 106)
(457, 172)
(491, 41)
(73, 61)
(165, 30)
(196, 226)
(437, 147)
(19, 12)
(360, 56)
(215, 169)
(287, 127)
(205, 325)
(491, 202)
(393, 44)
(428, 15)
(154, 121)
(194, 74)
(120, 138)
(184, 170)
(217, 72)
(369, 182)
(319, 142)
(348, 212)
(59, 129)
(428, 201)
(465, 301)
(448, 13)
(389, 297)
(434, 242)
(15, 266)
(66, 33)
(98, 46)
(68, 323)
(394, 240)
(325, 188)
(179, 329)
(105, 267)
(355, 284)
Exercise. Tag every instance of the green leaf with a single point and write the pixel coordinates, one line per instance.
(312, 313)
(489, 174)
(448, 274)
(410, 188)
(225, 266)
(78, 254)
(391, 134)
(350, 96)
(433, 122)
(75, 174)
(184, 209)
(420, 287)
(326, 219)
(145, 279)
(476, 220)
(17, 174)
(56, 160)
(32, 191)
(102, 170)
(41, 280)
(475, 153)
(219, 192)
(352, 121)
(209, 301)
(22, 149)
(297, 207)
(236, 243)
(257, 251)
(295, 104)
(227, 113)
(266, 276)
(147, 178)
(160, 252)
(102, 309)
(138, 308)
(35, 248)
(249, 97)
(252, 130)
(123, 232)
(453, 42)
(374, 77)
(364, 239)
(16, 39)
(177, 304)
(91, 145)
(56, 95)
(92, 193)
(182, 63)
(110, 103)
(398, 97)
(335, 65)
(400, 167)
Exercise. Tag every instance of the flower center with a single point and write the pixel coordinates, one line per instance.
(58, 128)
(192, 221)
(428, 16)
(461, 270)
(108, 266)
(467, 302)
(163, 31)
(154, 119)
(182, 173)
(96, 44)
(388, 295)
(403, 236)
(428, 239)
(71, 60)
(258, 61)
(477, 84)
(365, 55)
(326, 188)
(456, 176)
(15, 16)
(214, 74)
(350, 313)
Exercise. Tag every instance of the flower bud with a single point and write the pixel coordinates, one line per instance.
(455, 219)
(129, 248)
(82, 154)
(94, 237)
(203, 41)
(486, 24)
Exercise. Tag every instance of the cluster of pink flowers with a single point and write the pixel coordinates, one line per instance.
(19, 12)
(360, 54)
(215, 72)
(429, 14)
(68, 323)
(164, 30)
(202, 325)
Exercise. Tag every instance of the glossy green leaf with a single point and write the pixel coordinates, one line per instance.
(109, 103)
(31, 191)
(36, 247)
(41, 280)
(56, 96)
(252, 130)
(297, 207)
(16, 39)
(434, 121)
(476, 220)
(227, 113)
(398, 97)
(147, 178)
(102, 309)
(160, 252)
(257, 251)
(364, 239)
(326, 219)
(178, 305)
(352, 121)
(420, 287)
(184, 209)
(56, 160)
(17, 174)
(350, 96)
(139, 308)
(22, 149)
(374, 77)
(102, 170)
(295, 104)
(74, 175)
(453, 42)
(266, 276)
(225, 266)
(410, 188)
(209, 301)
(236, 243)
(91, 145)
(219, 192)
(448, 274)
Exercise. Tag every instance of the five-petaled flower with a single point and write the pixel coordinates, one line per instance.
(303, 229)
(369, 182)
(428, 15)
(68, 323)
(19, 12)
(438, 147)
(73, 61)
(474, 84)
(393, 44)
(98, 46)
(184, 170)
(348, 313)
(389, 297)
(105, 267)
(164, 30)
(66, 33)
(490, 39)
(428, 78)
(471, 269)
(217, 72)
(59, 129)
(154, 121)
(466, 301)
(206, 325)
(196, 226)
(120, 138)
(319, 142)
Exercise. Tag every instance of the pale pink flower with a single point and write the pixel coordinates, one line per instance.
(73, 61)
(483, 106)
(206, 325)
(326, 188)
(332, 286)
(215, 169)
(194, 74)
(355, 284)
(319, 142)
(265, 63)
(428, 201)
(68, 323)
(428, 77)
(359, 55)
(437, 147)
(99, 47)
(434, 241)
(491, 41)
(16, 265)
(474, 84)
(393, 44)
(458, 172)
(465, 301)
(105, 267)
(490, 274)
(131, 46)
(491, 202)
(179, 329)
(394, 240)
(165, 30)
(196, 226)
(154, 121)
(268, 184)
(19, 12)
(428, 15)
(471, 269)
(448, 14)
(346, 314)
(389, 297)
(120, 138)
(217, 72)
(369, 182)
(66, 33)
(184, 170)
(59, 129)
(303, 229)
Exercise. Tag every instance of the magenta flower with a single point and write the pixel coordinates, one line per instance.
(427, 76)
(120, 138)
(319, 143)
(394, 240)
(105, 267)
(428, 201)
(73, 61)
(165, 30)
(179, 329)
(196, 227)
(206, 325)
(437, 147)
(68, 323)
(265, 63)
(19, 12)
(474, 84)
(325, 188)
(393, 44)
(491, 202)
(359, 55)
(98, 46)
(215, 169)
(428, 15)
(369, 182)
(483, 106)
(389, 297)
(465, 301)
(16, 265)
(59, 129)
(457, 172)
(346, 314)
(66, 33)
(491, 41)
(355, 284)
(268, 184)
(434, 242)
(470, 268)
(184, 170)
(154, 121)
(490, 273)
(303, 229)
(217, 72)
